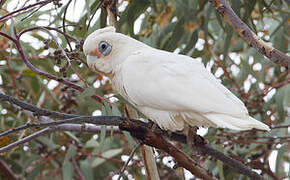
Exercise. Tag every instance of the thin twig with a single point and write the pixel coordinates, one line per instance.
(5, 17)
(79, 172)
(49, 28)
(97, 120)
(63, 127)
(63, 24)
(58, 45)
(98, 6)
(26, 139)
(8, 37)
(30, 14)
(129, 159)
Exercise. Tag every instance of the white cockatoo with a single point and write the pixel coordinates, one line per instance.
(168, 88)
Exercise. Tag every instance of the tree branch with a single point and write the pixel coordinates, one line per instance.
(146, 136)
(62, 127)
(5, 17)
(37, 111)
(91, 18)
(276, 56)
(49, 28)
(63, 23)
(111, 7)
(155, 139)
(140, 131)
(97, 120)
(129, 159)
(27, 139)
(8, 37)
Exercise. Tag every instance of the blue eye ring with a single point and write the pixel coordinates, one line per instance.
(104, 48)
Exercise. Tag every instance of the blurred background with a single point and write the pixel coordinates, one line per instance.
(190, 27)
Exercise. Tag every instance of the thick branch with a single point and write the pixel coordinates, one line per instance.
(146, 136)
(155, 139)
(276, 56)
(32, 108)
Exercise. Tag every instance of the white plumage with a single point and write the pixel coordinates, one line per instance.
(168, 88)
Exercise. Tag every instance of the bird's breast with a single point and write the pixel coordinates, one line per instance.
(118, 85)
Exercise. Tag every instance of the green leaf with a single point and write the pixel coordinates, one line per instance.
(282, 98)
(131, 13)
(221, 170)
(29, 73)
(106, 109)
(103, 133)
(227, 44)
(67, 166)
(35, 84)
(92, 143)
(177, 34)
(72, 136)
(88, 92)
(115, 111)
(86, 169)
(191, 43)
(280, 161)
(285, 19)
(129, 139)
(245, 70)
(102, 138)
(219, 20)
(41, 98)
(108, 154)
(164, 35)
(48, 141)
(33, 174)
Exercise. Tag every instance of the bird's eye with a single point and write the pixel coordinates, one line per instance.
(105, 48)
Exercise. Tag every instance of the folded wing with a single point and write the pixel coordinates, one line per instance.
(176, 83)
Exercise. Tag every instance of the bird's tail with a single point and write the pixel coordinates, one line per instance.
(226, 121)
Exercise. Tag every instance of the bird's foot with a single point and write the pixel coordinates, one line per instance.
(153, 126)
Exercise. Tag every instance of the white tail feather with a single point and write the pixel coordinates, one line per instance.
(226, 121)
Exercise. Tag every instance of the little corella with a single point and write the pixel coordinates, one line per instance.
(168, 88)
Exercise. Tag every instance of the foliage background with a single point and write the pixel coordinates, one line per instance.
(191, 27)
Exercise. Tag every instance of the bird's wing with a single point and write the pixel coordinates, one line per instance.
(171, 82)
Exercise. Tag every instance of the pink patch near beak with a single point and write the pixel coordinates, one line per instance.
(96, 52)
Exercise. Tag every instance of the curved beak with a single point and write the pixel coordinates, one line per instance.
(91, 60)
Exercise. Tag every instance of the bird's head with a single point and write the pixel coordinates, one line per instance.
(105, 49)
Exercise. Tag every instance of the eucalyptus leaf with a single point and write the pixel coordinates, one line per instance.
(108, 154)
(67, 166)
